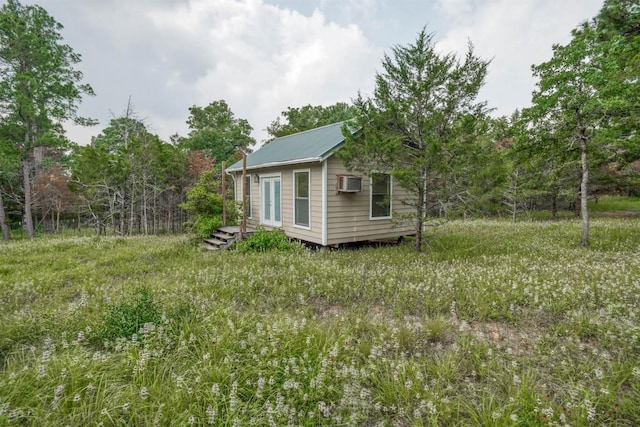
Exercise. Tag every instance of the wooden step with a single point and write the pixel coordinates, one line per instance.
(230, 229)
(215, 242)
(223, 236)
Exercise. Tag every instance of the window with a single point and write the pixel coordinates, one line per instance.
(301, 198)
(380, 195)
(248, 195)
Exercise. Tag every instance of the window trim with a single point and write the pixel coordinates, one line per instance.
(375, 218)
(270, 176)
(293, 219)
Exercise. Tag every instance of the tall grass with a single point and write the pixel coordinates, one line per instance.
(495, 324)
(613, 204)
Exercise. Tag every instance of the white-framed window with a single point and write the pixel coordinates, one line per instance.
(247, 209)
(302, 198)
(380, 196)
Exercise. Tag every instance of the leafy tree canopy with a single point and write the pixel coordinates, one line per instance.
(295, 120)
(588, 94)
(120, 132)
(39, 85)
(422, 116)
(215, 130)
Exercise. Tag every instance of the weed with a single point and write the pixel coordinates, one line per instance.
(126, 318)
(265, 240)
(495, 324)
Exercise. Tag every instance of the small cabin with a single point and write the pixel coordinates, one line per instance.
(298, 184)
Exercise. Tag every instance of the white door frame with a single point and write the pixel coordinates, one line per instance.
(271, 209)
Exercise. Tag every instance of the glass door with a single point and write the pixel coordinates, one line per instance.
(271, 201)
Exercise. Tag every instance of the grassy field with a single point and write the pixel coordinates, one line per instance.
(615, 206)
(495, 324)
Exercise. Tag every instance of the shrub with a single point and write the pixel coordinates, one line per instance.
(263, 240)
(204, 201)
(203, 225)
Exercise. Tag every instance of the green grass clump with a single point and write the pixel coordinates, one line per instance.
(126, 318)
(494, 324)
(266, 240)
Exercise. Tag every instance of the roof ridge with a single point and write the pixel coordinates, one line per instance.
(309, 130)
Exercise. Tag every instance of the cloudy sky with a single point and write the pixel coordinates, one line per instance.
(262, 56)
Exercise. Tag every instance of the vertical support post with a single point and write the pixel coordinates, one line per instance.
(224, 197)
(243, 224)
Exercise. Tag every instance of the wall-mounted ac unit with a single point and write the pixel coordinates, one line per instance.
(349, 184)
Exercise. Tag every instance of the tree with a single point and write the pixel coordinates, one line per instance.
(120, 132)
(130, 180)
(54, 196)
(205, 202)
(39, 86)
(310, 117)
(588, 93)
(9, 164)
(215, 130)
(479, 170)
(414, 125)
(6, 234)
(545, 172)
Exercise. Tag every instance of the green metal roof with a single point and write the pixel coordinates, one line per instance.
(313, 145)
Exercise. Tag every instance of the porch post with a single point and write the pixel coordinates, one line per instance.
(243, 224)
(224, 197)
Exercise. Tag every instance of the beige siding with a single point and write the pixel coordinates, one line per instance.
(348, 214)
(312, 233)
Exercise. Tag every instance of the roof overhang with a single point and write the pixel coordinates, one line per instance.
(290, 162)
(275, 164)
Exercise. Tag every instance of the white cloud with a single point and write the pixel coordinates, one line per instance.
(262, 59)
(515, 35)
(263, 56)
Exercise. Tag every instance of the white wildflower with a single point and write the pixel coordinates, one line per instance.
(598, 373)
(517, 380)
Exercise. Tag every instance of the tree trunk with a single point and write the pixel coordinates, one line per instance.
(143, 207)
(123, 214)
(132, 207)
(112, 209)
(419, 223)
(421, 211)
(584, 188)
(554, 203)
(224, 195)
(26, 184)
(514, 205)
(155, 209)
(6, 234)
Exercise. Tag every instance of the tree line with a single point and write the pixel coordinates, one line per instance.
(423, 125)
